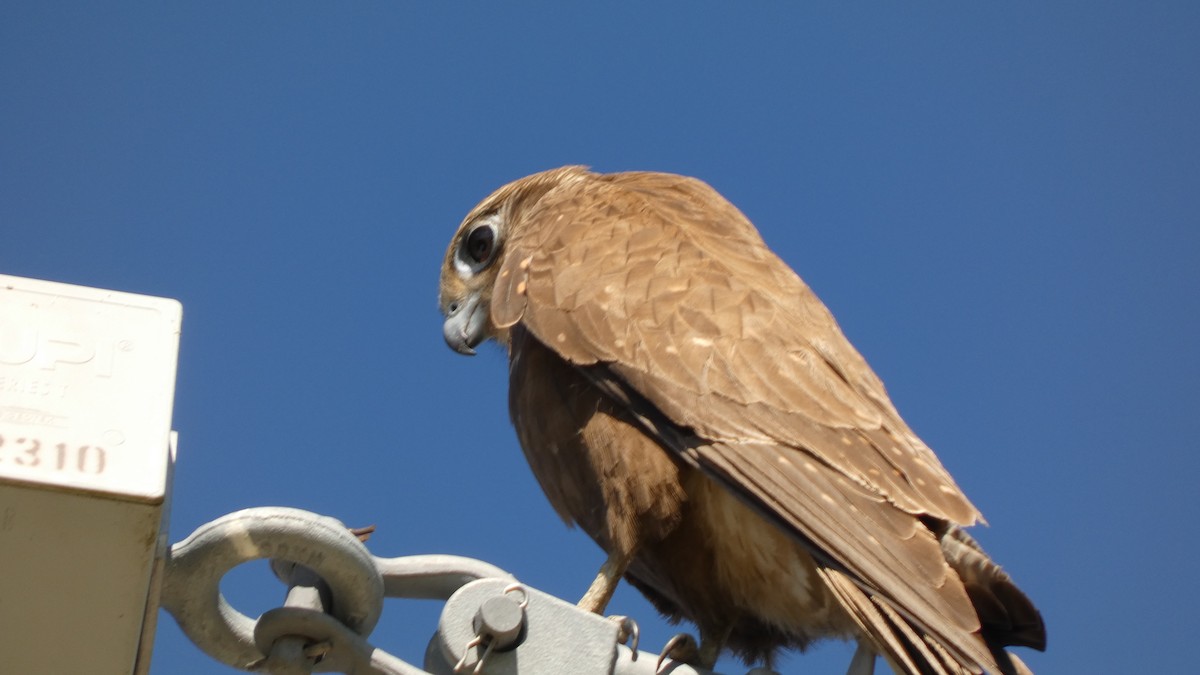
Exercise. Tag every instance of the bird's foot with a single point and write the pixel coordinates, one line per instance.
(627, 633)
(682, 648)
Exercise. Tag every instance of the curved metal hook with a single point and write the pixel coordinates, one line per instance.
(195, 566)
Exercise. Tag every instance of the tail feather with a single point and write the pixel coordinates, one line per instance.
(869, 620)
(949, 662)
(1007, 616)
(898, 641)
(930, 662)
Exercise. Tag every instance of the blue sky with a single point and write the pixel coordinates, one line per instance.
(999, 203)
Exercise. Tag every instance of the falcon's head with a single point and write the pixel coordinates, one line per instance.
(468, 275)
(475, 259)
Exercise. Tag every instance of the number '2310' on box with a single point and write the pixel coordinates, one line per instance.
(87, 379)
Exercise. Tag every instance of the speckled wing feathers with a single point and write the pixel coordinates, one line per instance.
(670, 284)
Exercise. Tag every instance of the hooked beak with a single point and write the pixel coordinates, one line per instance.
(466, 325)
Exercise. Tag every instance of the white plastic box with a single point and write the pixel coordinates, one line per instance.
(87, 380)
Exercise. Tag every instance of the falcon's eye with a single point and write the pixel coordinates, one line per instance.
(480, 244)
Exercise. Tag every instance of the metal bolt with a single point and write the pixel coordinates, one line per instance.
(500, 619)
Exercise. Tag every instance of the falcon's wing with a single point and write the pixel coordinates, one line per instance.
(668, 291)
(664, 280)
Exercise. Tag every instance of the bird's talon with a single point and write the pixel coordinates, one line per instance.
(628, 633)
(682, 648)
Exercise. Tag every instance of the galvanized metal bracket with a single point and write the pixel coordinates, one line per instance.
(490, 625)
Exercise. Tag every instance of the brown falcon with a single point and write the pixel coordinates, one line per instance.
(686, 399)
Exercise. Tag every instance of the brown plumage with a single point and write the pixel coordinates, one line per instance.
(686, 399)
